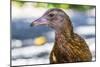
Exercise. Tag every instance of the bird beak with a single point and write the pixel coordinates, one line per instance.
(40, 21)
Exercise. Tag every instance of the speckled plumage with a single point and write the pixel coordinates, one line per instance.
(69, 47)
(69, 50)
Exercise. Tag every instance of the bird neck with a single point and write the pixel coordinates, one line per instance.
(63, 35)
(66, 31)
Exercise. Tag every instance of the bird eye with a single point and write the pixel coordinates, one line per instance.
(51, 15)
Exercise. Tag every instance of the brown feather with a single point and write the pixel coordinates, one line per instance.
(69, 47)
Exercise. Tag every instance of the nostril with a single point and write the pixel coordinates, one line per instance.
(31, 24)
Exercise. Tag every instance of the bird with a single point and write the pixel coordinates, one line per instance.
(69, 47)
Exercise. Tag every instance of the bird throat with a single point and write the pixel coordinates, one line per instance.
(64, 33)
(61, 37)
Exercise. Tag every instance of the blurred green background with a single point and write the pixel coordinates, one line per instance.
(21, 3)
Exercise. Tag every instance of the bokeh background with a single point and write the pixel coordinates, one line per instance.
(32, 45)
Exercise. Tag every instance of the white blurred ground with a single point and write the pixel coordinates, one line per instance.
(40, 54)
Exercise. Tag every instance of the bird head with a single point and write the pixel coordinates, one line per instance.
(54, 18)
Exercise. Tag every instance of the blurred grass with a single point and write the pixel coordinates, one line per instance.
(20, 3)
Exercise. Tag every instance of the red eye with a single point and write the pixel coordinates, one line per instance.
(51, 15)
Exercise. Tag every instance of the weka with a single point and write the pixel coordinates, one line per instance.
(69, 47)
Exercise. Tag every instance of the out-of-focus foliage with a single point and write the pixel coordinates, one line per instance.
(81, 7)
(58, 5)
(20, 3)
